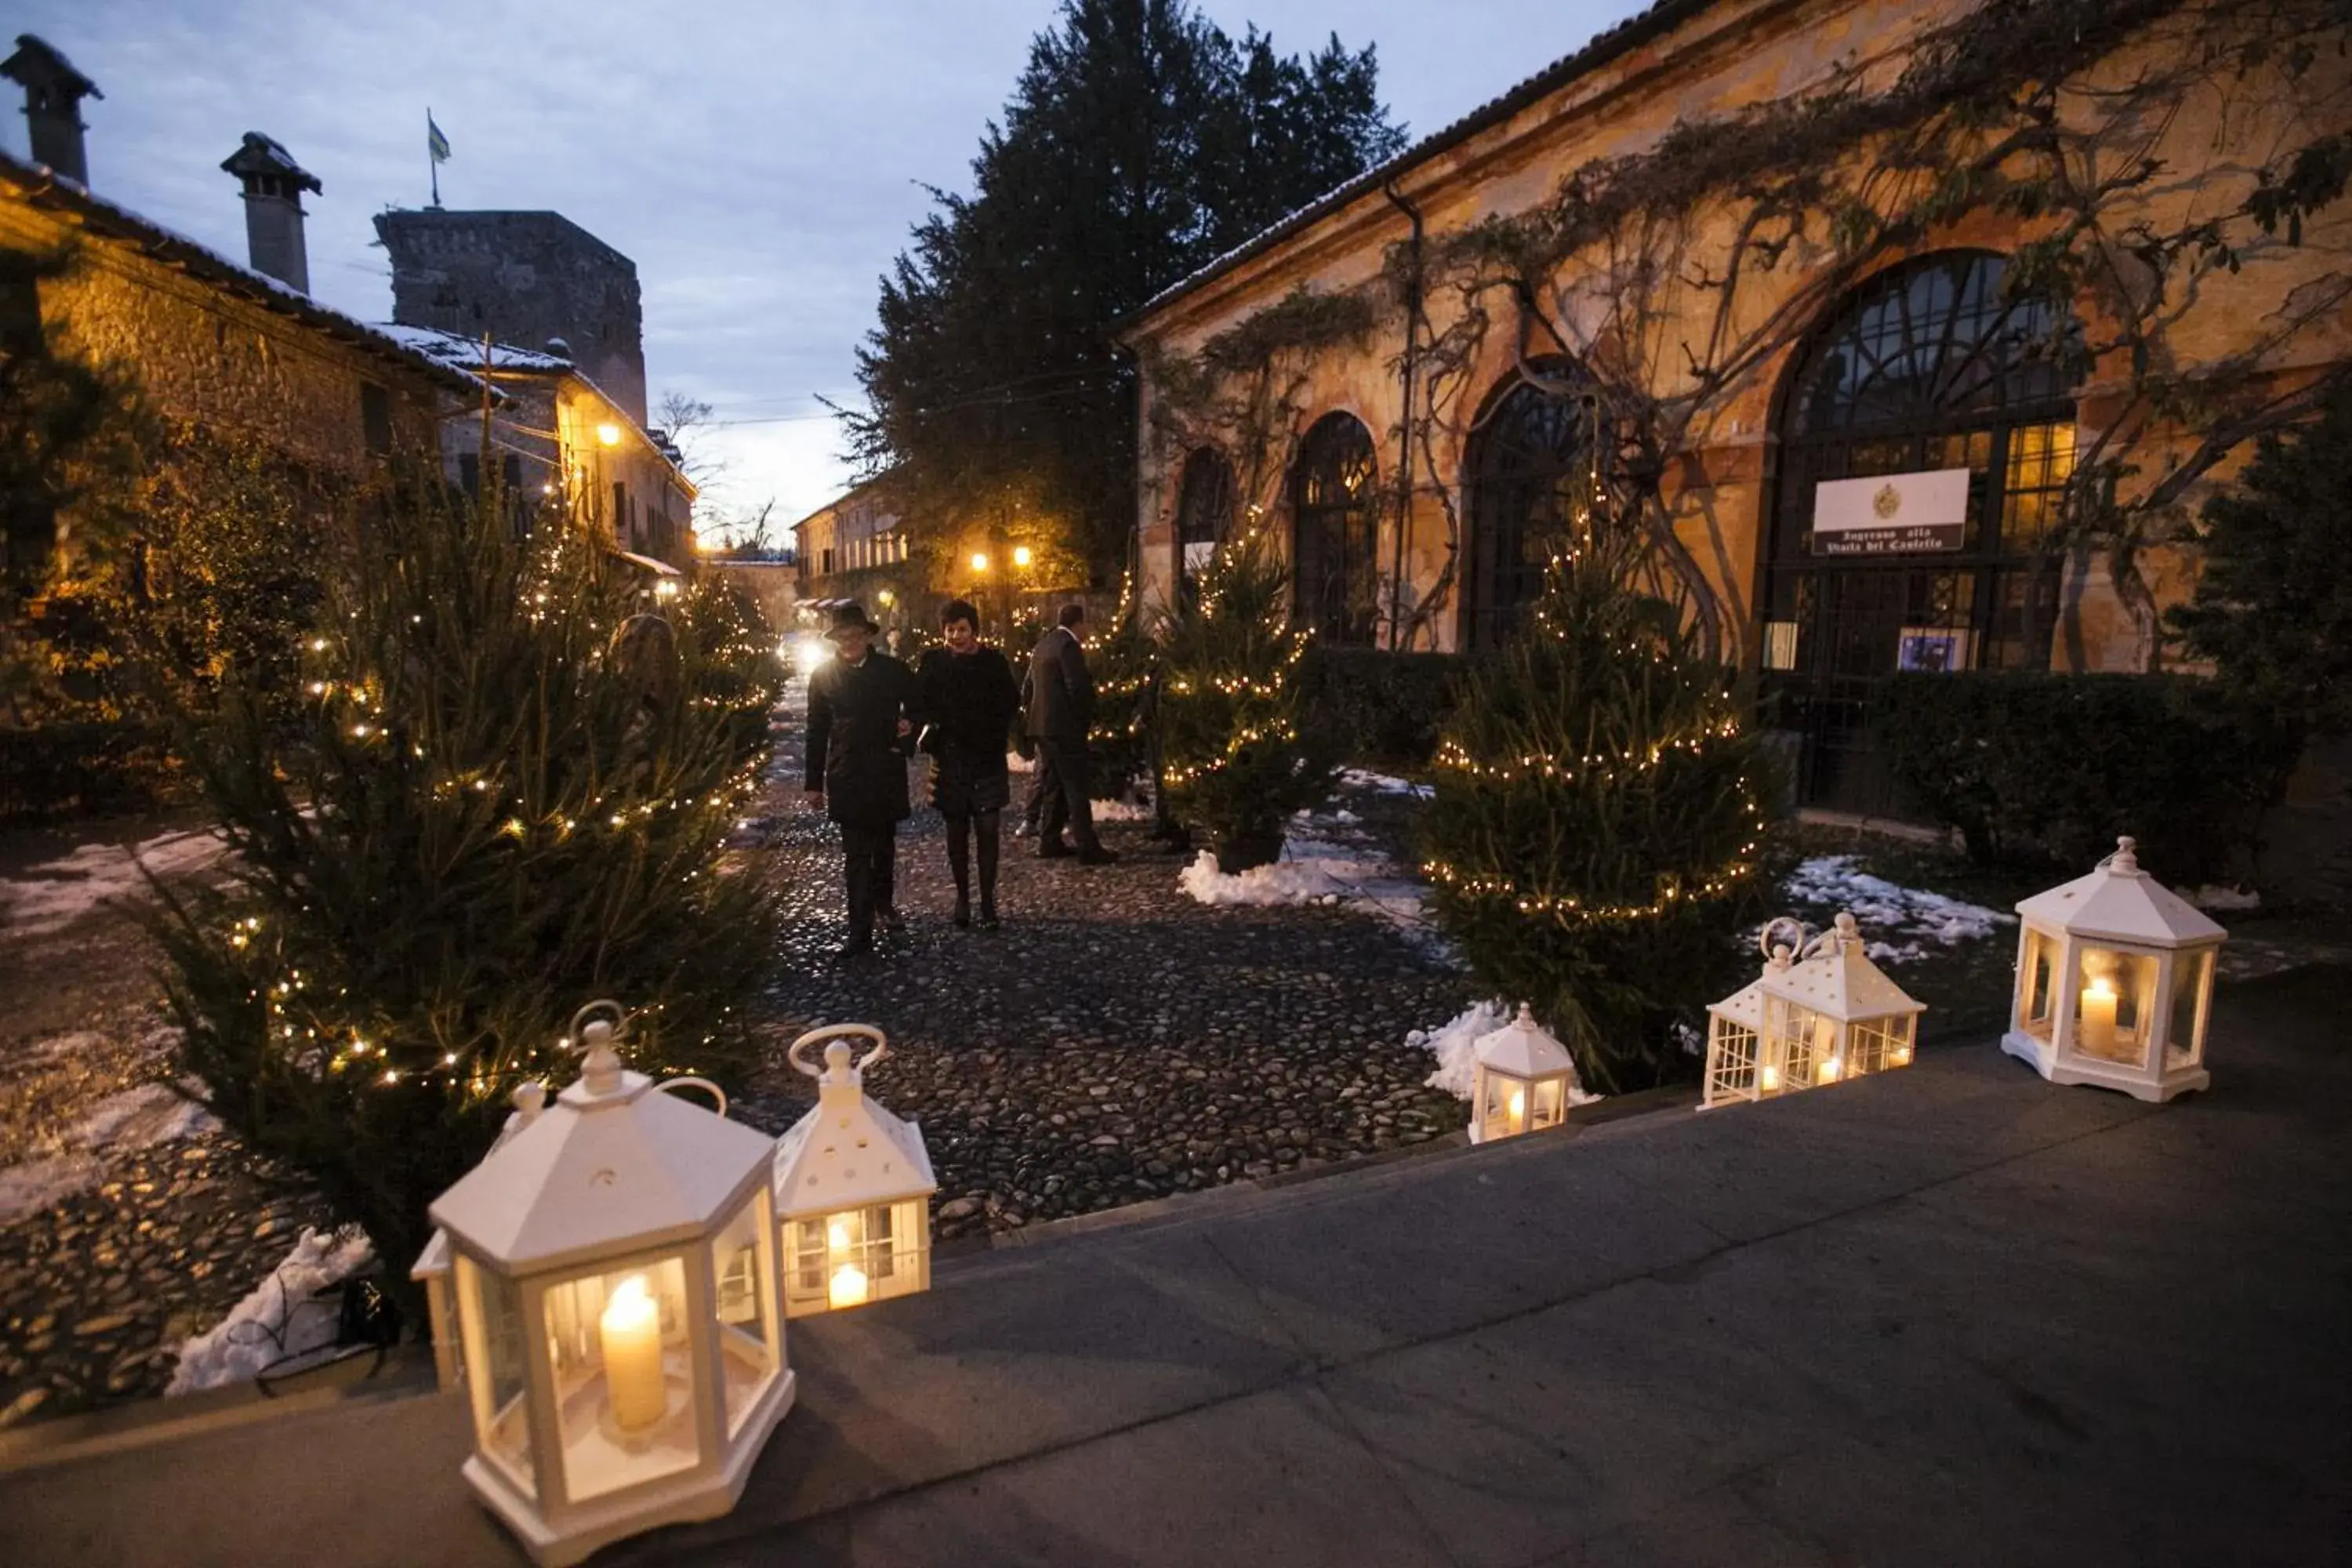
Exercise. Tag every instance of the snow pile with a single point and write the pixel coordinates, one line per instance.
(280, 1319)
(2224, 900)
(53, 895)
(1384, 784)
(1324, 861)
(1121, 811)
(38, 1184)
(1900, 923)
(1455, 1046)
(140, 1118)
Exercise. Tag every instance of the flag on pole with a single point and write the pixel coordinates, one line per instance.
(434, 141)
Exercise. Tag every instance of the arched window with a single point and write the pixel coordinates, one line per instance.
(1531, 469)
(1333, 507)
(1958, 400)
(1204, 514)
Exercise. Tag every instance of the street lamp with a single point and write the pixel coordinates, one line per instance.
(608, 433)
(1021, 556)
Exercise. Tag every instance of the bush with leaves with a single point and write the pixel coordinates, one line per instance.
(508, 795)
(1599, 830)
(1237, 760)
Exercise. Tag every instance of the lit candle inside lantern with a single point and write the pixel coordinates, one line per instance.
(847, 1286)
(1901, 1055)
(1518, 1109)
(1830, 1068)
(1771, 1078)
(630, 1334)
(2099, 1018)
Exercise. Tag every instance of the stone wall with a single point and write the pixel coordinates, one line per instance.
(524, 278)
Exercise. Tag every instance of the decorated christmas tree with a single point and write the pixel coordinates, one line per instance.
(1238, 761)
(1597, 835)
(506, 793)
(1123, 660)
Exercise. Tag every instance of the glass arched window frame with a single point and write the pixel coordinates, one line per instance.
(1205, 507)
(1335, 531)
(1531, 463)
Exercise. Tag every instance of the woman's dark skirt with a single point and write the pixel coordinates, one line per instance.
(967, 783)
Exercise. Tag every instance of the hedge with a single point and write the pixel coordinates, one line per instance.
(2030, 766)
(1375, 706)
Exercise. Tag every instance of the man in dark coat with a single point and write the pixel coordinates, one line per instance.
(1058, 702)
(861, 712)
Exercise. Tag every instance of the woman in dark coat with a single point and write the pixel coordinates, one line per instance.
(966, 696)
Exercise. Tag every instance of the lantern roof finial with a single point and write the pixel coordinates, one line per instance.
(2126, 859)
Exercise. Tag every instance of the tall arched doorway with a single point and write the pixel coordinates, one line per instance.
(1334, 509)
(1530, 468)
(1205, 515)
(1926, 439)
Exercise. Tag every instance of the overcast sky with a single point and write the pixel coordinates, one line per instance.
(760, 160)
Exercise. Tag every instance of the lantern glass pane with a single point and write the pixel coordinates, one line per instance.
(621, 1350)
(2184, 1035)
(1804, 1045)
(1550, 1102)
(502, 1401)
(1504, 1112)
(1900, 1044)
(1730, 1061)
(744, 1267)
(2037, 981)
(2115, 1005)
(855, 1255)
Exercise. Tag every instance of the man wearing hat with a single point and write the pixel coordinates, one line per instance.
(861, 710)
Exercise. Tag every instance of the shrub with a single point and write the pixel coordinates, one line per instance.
(507, 794)
(1598, 834)
(2032, 766)
(1377, 707)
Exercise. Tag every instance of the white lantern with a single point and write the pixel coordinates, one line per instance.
(1524, 1082)
(1821, 1012)
(853, 1186)
(2114, 982)
(611, 1274)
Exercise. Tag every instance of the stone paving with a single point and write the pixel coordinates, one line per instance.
(1115, 1041)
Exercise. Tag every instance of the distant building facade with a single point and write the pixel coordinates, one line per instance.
(855, 547)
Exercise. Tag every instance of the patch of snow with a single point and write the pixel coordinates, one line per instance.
(1898, 923)
(1324, 861)
(142, 1118)
(52, 896)
(38, 1184)
(2223, 900)
(1455, 1046)
(280, 1319)
(1383, 783)
(1121, 811)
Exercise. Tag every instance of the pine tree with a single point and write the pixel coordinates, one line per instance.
(1139, 143)
(1595, 838)
(2272, 609)
(507, 794)
(1238, 761)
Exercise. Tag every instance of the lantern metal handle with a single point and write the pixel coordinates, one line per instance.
(1796, 945)
(716, 1092)
(830, 1031)
(576, 1035)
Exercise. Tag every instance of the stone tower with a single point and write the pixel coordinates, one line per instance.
(524, 278)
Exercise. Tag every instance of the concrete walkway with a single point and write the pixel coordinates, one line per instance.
(1948, 1316)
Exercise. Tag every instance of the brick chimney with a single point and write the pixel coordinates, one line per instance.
(53, 95)
(273, 183)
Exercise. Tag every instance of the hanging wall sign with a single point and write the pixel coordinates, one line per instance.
(1892, 514)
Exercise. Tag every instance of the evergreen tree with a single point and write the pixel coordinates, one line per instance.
(1238, 763)
(2272, 609)
(1594, 841)
(1138, 145)
(506, 795)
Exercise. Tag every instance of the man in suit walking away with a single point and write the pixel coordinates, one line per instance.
(1058, 703)
(861, 713)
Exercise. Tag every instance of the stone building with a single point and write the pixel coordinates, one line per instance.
(535, 280)
(1858, 439)
(853, 548)
(218, 348)
(561, 442)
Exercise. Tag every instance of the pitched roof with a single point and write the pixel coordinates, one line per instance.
(44, 187)
(2121, 903)
(1607, 44)
(848, 1152)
